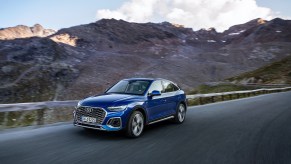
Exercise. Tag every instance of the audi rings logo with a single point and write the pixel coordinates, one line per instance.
(89, 110)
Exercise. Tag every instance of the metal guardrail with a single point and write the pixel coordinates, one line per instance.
(36, 105)
(72, 103)
(247, 84)
(237, 93)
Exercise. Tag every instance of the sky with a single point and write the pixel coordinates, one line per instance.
(197, 14)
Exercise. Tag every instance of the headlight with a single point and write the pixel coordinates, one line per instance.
(117, 108)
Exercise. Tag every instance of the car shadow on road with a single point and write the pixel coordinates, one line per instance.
(100, 135)
(121, 135)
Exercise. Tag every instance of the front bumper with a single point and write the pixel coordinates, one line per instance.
(111, 122)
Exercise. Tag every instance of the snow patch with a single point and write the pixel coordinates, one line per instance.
(211, 41)
(236, 33)
(224, 54)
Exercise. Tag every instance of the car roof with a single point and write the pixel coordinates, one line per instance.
(149, 79)
(141, 78)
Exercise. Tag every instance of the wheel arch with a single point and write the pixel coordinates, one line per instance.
(184, 102)
(143, 111)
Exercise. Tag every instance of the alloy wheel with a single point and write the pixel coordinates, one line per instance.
(137, 124)
(181, 113)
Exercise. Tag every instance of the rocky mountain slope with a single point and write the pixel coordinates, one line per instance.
(33, 69)
(22, 31)
(83, 60)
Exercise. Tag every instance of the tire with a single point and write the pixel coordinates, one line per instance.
(180, 114)
(135, 125)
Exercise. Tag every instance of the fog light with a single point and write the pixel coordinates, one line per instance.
(114, 122)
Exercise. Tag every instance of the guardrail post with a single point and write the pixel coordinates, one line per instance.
(230, 96)
(237, 95)
(222, 98)
(200, 101)
(40, 116)
(212, 98)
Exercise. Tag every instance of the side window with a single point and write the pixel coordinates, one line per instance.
(169, 87)
(156, 85)
(175, 87)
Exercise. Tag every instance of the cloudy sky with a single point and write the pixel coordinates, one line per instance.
(196, 14)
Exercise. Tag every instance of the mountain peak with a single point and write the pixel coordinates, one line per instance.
(37, 25)
(22, 31)
(110, 21)
(261, 21)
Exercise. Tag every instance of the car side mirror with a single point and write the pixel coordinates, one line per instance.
(155, 93)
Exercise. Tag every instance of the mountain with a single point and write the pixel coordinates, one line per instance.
(84, 60)
(276, 30)
(275, 73)
(33, 69)
(22, 31)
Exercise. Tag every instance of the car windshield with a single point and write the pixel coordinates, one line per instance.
(136, 87)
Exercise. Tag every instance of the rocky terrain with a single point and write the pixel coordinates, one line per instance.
(22, 31)
(84, 60)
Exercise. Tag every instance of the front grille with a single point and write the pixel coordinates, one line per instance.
(94, 112)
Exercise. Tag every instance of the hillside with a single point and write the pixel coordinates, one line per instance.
(276, 73)
(84, 60)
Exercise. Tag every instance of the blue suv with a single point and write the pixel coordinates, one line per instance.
(131, 104)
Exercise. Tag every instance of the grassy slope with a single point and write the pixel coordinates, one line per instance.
(203, 89)
(274, 73)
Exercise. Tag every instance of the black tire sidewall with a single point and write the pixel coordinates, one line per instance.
(176, 118)
(129, 132)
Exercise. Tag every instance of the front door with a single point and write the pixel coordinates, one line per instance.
(156, 104)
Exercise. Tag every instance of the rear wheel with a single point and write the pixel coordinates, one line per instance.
(135, 124)
(180, 114)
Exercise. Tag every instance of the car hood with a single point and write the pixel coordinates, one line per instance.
(106, 100)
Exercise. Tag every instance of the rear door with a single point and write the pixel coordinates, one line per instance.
(171, 97)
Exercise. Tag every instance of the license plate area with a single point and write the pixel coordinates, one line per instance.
(88, 119)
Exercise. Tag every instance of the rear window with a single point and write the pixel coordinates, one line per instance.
(169, 87)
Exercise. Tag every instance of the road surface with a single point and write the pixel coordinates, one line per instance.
(254, 130)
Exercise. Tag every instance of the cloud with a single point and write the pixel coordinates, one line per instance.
(196, 14)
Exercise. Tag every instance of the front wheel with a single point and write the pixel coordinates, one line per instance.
(135, 124)
(180, 114)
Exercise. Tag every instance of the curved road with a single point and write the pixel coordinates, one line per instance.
(246, 131)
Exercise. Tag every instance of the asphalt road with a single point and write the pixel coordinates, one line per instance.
(254, 130)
